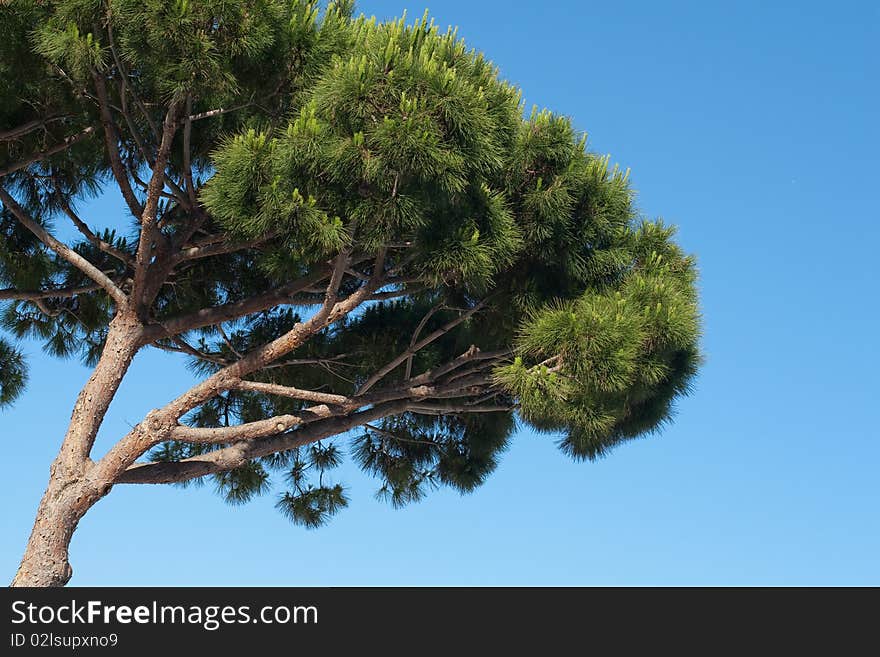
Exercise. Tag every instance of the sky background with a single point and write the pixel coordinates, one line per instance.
(750, 125)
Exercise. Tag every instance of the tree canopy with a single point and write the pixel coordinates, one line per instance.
(347, 227)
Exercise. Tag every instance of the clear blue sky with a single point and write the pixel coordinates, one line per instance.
(750, 125)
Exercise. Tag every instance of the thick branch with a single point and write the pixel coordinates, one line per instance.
(247, 431)
(111, 141)
(149, 233)
(159, 424)
(256, 439)
(63, 250)
(236, 455)
(291, 392)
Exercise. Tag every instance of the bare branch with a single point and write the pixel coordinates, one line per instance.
(239, 453)
(393, 294)
(391, 365)
(111, 141)
(211, 239)
(281, 346)
(149, 234)
(229, 311)
(218, 112)
(393, 436)
(485, 398)
(228, 341)
(42, 155)
(248, 431)
(446, 409)
(30, 126)
(469, 387)
(187, 162)
(415, 337)
(185, 348)
(63, 250)
(33, 295)
(123, 75)
(292, 393)
(161, 423)
(339, 267)
(221, 248)
(256, 439)
(83, 228)
(292, 362)
(471, 355)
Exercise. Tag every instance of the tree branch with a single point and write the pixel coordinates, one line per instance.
(281, 346)
(391, 365)
(446, 409)
(218, 112)
(187, 155)
(83, 228)
(471, 355)
(208, 250)
(393, 294)
(247, 431)
(159, 424)
(123, 76)
(42, 155)
(149, 234)
(291, 392)
(111, 141)
(415, 336)
(63, 250)
(33, 295)
(30, 126)
(227, 312)
(240, 453)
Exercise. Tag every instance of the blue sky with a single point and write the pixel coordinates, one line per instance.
(750, 125)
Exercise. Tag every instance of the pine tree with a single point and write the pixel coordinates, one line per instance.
(350, 229)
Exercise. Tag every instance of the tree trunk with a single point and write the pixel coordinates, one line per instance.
(65, 502)
(74, 484)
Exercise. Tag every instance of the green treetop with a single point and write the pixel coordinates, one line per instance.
(347, 227)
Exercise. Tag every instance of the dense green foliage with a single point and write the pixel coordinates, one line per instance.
(348, 135)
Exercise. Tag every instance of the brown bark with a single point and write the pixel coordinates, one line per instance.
(75, 484)
(111, 141)
(66, 500)
(238, 454)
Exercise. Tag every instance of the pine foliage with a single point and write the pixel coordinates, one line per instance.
(340, 133)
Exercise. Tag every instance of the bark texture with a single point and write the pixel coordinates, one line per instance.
(65, 502)
(75, 484)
